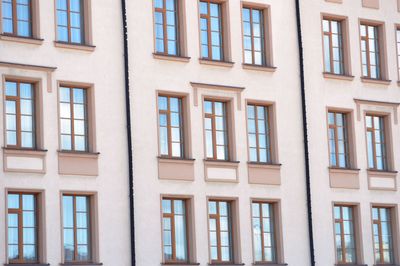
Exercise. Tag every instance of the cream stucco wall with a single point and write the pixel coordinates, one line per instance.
(322, 93)
(282, 87)
(104, 68)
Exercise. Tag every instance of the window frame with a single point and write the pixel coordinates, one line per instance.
(178, 23)
(187, 228)
(217, 217)
(221, 32)
(397, 40)
(90, 113)
(38, 224)
(69, 27)
(35, 114)
(275, 234)
(73, 119)
(92, 226)
(392, 209)
(384, 146)
(227, 120)
(341, 23)
(269, 122)
(86, 28)
(342, 235)
(183, 135)
(347, 128)
(32, 17)
(381, 51)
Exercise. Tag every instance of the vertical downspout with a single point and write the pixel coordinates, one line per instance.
(129, 133)
(305, 134)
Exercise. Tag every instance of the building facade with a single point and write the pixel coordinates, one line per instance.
(352, 94)
(63, 183)
(218, 168)
(217, 122)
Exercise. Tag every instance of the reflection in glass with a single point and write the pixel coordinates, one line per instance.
(216, 133)
(376, 146)
(220, 231)
(22, 228)
(76, 228)
(370, 51)
(174, 230)
(333, 46)
(170, 126)
(258, 133)
(263, 232)
(70, 21)
(253, 36)
(211, 31)
(383, 239)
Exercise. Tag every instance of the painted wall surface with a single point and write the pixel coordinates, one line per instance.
(148, 75)
(104, 68)
(322, 93)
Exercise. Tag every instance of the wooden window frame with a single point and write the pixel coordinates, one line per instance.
(169, 127)
(171, 216)
(378, 51)
(15, 20)
(272, 219)
(217, 217)
(165, 31)
(397, 38)
(268, 135)
(214, 130)
(69, 27)
(72, 118)
(342, 235)
(379, 224)
(384, 144)
(345, 136)
(17, 100)
(75, 228)
(19, 212)
(222, 30)
(263, 21)
(341, 48)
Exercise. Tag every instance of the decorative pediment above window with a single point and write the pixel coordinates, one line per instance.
(217, 88)
(377, 106)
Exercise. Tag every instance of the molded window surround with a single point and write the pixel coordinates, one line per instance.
(337, 58)
(26, 205)
(348, 234)
(170, 30)
(257, 36)
(214, 32)
(82, 205)
(223, 231)
(373, 51)
(267, 232)
(178, 235)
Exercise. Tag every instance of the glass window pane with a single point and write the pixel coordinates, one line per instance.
(13, 201)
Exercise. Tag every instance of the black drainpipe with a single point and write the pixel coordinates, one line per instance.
(129, 133)
(305, 133)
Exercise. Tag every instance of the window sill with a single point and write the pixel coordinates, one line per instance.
(337, 76)
(176, 58)
(346, 264)
(376, 81)
(26, 264)
(20, 39)
(216, 62)
(78, 163)
(179, 264)
(259, 67)
(269, 264)
(81, 263)
(220, 162)
(226, 264)
(73, 46)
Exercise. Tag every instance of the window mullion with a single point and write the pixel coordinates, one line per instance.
(69, 20)
(72, 119)
(75, 230)
(20, 230)
(18, 116)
